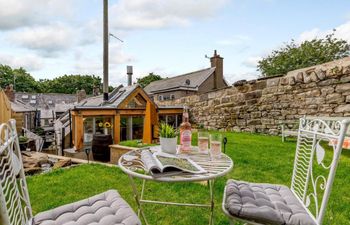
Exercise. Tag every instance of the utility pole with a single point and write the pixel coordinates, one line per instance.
(105, 50)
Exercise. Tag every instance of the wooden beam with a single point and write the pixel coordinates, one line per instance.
(79, 132)
(132, 112)
(170, 111)
(117, 129)
(147, 125)
(95, 112)
(137, 91)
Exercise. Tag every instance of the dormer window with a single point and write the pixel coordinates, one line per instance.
(188, 82)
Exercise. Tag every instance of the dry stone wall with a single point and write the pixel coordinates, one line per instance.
(262, 105)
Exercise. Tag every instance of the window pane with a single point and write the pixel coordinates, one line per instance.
(131, 127)
(88, 130)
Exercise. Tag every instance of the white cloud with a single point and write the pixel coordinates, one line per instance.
(252, 61)
(19, 13)
(118, 56)
(231, 78)
(29, 62)
(342, 31)
(154, 14)
(47, 39)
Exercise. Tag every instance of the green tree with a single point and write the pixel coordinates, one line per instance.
(69, 84)
(144, 81)
(294, 56)
(22, 81)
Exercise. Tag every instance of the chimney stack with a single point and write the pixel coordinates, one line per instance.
(129, 73)
(10, 93)
(218, 62)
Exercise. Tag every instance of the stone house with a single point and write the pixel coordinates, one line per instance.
(192, 83)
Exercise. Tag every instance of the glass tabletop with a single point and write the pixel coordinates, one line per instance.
(132, 165)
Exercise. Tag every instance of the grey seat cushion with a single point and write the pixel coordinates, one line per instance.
(265, 203)
(107, 208)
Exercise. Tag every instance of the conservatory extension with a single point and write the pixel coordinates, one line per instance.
(128, 114)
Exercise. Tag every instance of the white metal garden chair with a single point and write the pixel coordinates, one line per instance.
(306, 201)
(104, 209)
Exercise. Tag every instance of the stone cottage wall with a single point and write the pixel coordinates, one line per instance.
(262, 105)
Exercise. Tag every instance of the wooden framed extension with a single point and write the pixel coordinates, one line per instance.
(128, 106)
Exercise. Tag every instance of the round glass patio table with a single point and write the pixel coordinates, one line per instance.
(131, 164)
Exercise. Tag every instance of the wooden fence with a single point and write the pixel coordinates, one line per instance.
(5, 107)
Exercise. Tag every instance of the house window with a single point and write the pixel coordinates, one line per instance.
(172, 97)
(160, 97)
(131, 127)
(97, 125)
(174, 120)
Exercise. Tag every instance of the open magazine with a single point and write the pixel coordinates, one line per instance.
(163, 164)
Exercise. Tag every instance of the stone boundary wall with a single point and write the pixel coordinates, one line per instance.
(262, 105)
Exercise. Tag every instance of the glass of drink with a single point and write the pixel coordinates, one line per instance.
(215, 146)
(203, 142)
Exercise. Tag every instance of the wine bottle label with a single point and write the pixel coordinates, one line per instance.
(185, 138)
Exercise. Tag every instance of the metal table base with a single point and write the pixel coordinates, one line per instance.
(140, 200)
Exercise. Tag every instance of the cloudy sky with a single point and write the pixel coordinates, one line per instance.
(50, 38)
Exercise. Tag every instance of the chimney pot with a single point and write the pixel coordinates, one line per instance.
(129, 71)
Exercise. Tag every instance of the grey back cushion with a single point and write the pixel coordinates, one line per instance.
(107, 208)
(265, 203)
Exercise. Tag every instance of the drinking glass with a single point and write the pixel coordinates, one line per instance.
(215, 146)
(203, 142)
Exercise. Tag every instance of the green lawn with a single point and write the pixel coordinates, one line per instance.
(257, 158)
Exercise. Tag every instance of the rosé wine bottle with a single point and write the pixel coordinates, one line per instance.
(185, 133)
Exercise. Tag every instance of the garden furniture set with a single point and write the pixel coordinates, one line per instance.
(304, 203)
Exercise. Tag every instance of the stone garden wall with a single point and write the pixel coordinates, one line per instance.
(262, 105)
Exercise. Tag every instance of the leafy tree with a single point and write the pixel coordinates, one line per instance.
(21, 80)
(69, 84)
(294, 56)
(144, 81)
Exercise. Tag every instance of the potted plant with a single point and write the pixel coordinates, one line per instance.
(168, 138)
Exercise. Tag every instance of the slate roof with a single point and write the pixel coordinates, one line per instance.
(117, 96)
(63, 107)
(18, 106)
(195, 78)
(45, 100)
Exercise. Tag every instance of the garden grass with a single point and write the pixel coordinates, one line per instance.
(257, 158)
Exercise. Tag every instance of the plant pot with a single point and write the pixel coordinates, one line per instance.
(168, 145)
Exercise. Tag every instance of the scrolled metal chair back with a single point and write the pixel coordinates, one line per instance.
(14, 199)
(317, 155)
